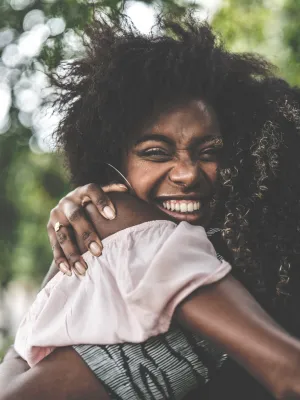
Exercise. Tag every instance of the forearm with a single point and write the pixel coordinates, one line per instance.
(11, 368)
(62, 375)
(229, 316)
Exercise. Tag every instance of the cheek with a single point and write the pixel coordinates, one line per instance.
(211, 171)
(143, 176)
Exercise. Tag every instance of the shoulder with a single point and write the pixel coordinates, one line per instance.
(131, 211)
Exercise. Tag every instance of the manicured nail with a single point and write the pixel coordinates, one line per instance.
(122, 186)
(95, 249)
(109, 213)
(65, 269)
(80, 268)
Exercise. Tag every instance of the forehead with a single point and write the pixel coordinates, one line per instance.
(186, 122)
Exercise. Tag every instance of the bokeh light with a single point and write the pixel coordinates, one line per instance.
(5, 101)
(19, 5)
(56, 26)
(6, 37)
(11, 55)
(32, 18)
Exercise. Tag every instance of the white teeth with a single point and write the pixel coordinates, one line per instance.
(182, 206)
(190, 207)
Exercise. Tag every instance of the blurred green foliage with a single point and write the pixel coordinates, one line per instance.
(31, 181)
(268, 27)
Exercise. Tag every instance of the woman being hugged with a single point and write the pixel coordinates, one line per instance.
(202, 135)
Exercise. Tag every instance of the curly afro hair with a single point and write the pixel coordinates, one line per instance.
(125, 78)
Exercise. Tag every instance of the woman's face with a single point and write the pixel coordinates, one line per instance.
(173, 163)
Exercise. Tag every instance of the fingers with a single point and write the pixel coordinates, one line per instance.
(78, 234)
(115, 187)
(65, 251)
(100, 199)
(84, 230)
(58, 253)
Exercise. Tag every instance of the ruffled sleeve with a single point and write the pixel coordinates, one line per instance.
(181, 263)
(128, 294)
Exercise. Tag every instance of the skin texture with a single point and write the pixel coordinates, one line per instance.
(176, 157)
(173, 157)
(228, 314)
(179, 163)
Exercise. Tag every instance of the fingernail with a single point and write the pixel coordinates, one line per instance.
(123, 186)
(95, 249)
(109, 212)
(64, 268)
(80, 268)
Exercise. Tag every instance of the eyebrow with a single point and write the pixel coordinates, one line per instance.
(162, 138)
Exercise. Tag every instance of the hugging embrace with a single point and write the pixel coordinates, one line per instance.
(193, 292)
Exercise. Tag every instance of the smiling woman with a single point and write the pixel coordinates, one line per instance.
(173, 163)
(206, 139)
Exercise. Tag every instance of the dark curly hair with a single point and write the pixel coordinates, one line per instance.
(126, 77)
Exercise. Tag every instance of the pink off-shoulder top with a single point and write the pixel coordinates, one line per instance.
(128, 294)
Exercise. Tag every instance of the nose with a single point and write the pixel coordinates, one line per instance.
(186, 173)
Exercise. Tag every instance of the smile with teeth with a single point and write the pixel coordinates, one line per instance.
(182, 206)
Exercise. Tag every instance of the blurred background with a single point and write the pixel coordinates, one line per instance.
(35, 36)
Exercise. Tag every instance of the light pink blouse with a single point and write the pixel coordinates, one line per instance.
(128, 294)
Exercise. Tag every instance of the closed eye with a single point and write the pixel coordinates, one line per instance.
(210, 154)
(156, 154)
(155, 151)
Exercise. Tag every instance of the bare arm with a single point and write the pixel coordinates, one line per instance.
(230, 317)
(17, 380)
(224, 312)
(62, 375)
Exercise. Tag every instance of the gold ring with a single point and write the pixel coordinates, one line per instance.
(57, 226)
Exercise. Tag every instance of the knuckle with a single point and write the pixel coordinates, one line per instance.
(72, 257)
(90, 187)
(75, 215)
(53, 213)
(55, 246)
(76, 191)
(61, 237)
(65, 200)
(87, 235)
(102, 201)
(61, 202)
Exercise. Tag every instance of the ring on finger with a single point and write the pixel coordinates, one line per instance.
(57, 226)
